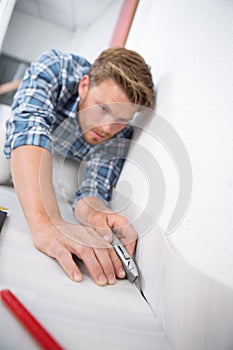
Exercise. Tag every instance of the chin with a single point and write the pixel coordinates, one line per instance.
(91, 140)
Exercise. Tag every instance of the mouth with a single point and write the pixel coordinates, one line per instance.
(98, 135)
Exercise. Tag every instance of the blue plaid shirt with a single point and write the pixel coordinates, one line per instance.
(44, 114)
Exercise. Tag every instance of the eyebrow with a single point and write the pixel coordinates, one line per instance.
(106, 105)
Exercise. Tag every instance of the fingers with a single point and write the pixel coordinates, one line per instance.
(64, 257)
(128, 237)
(108, 259)
(100, 224)
(102, 264)
(99, 265)
(131, 247)
(98, 255)
(119, 271)
(125, 232)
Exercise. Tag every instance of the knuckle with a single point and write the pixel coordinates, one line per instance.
(58, 251)
(98, 217)
(83, 250)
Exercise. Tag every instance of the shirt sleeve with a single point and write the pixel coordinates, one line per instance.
(34, 104)
(104, 165)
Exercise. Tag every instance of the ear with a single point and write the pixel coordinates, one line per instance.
(83, 86)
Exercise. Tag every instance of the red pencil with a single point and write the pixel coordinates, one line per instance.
(29, 321)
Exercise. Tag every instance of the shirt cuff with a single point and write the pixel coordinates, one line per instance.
(82, 194)
(23, 140)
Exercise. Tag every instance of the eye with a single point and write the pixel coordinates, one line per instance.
(104, 108)
(122, 120)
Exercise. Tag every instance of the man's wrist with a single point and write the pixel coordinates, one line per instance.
(88, 206)
(41, 220)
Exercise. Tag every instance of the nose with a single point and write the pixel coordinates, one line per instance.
(108, 128)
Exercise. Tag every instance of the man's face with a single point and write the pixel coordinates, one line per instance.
(104, 110)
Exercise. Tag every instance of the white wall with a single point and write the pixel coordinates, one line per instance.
(6, 8)
(27, 36)
(190, 48)
(97, 37)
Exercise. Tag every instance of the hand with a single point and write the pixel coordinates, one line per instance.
(123, 230)
(91, 211)
(62, 239)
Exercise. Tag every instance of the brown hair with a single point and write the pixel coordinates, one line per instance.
(129, 70)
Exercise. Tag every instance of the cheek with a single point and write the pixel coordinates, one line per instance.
(85, 120)
(119, 126)
(93, 118)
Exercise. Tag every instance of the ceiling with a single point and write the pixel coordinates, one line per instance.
(70, 14)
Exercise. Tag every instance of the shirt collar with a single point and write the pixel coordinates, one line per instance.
(75, 106)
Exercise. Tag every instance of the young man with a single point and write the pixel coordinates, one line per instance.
(83, 107)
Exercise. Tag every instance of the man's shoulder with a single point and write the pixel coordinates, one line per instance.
(63, 58)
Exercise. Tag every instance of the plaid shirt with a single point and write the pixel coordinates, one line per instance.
(44, 114)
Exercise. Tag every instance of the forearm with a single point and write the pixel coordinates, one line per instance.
(32, 177)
